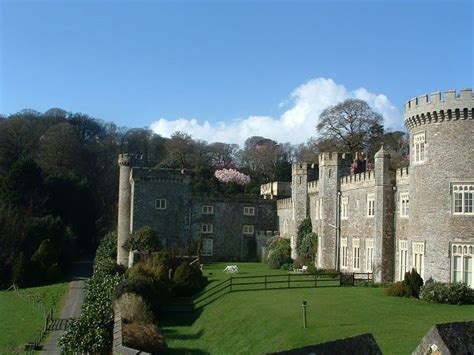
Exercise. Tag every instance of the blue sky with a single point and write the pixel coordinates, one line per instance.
(225, 70)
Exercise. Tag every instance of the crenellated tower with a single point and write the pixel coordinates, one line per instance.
(331, 167)
(299, 196)
(441, 175)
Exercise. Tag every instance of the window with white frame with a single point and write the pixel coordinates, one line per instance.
(419, 151)
(369, 258)
(370, 205)
(356, 253)
(402, 259)
(404, 204)
(463, 195)
(207, 246)
(343, 252)
(160, 204)
(249, 211)
(207, 209)
(344, 207)
(247, 229)
(418, 257)
(461, 264)
(206, 228)
(320, 208)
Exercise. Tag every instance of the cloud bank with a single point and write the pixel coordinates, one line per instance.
(295, 125)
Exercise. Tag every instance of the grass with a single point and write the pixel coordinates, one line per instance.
(257, 322)
(20, 321)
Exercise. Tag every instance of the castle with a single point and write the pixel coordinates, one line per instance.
(382, 221)
(387, 222)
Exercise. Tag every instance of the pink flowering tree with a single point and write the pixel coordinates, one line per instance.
(232, 176)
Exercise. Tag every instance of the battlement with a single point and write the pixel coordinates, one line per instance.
(299, 168)
(401, 175)
(284, 203)
(159, 175)
(438, 107)
(331, 158)
(364, 179)
(313, 186)
(128, 159)
(275, 189)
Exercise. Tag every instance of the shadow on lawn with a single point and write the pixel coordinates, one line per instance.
(183, 351)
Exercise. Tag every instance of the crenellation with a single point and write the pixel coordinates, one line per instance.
(284, 203)
(452, 106)
(313, 186)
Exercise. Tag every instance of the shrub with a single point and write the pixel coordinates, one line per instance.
(92, 331)
(150, 290)
(413, 283)
(456, 293)
(278, 252)
(144, 337)
(328, 272)
(287, 267)
(397, 289)
(188, 279)
(134, 308)
(151, 268)
(143, 239)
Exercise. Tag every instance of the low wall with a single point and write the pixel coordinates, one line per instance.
(117, 346)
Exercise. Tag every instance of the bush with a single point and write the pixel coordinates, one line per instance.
(154, 293)
(188, 280)
(92, 331)
(287, 267)
(413, 283)
(143, 239)
(456, 293)
(304, 229)
(278, 252)
(398, 289)
(133, 308)
(152, 268)
(144, 337)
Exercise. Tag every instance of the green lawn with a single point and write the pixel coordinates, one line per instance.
(256, 322)
(20, 322)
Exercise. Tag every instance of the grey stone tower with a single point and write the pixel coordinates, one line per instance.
(329, 172)
(299, 196)
(124, 203)
(442, 160)
(384, 238)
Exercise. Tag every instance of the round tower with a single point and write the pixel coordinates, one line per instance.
(441, 232)
(124, 203)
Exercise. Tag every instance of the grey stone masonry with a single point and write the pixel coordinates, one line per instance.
(388, 222)
(163, 200)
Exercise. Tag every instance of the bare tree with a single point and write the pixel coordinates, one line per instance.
(351, 122)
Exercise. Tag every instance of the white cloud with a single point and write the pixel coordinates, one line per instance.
(295, 125)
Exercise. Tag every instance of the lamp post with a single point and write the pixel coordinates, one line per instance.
(304, 305)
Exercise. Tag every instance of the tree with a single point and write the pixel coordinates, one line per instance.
(351, 122)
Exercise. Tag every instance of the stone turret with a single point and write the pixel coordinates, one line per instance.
(384, 213)
(331, 167)
(299, 195)
(125, 162)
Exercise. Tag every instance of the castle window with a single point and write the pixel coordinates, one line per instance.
(206, 209)
(370, 205)
(403, 258)
(160, 204)
(249, 211)
(285, 226)
(369, 259)
(206, 228)
(419, 148)
(462, 199)
(356, 253)
(344, 207)
(418, 257)
(461, 264)
(247, 229)
(207, 246)
(404, 204)
(343, 252)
